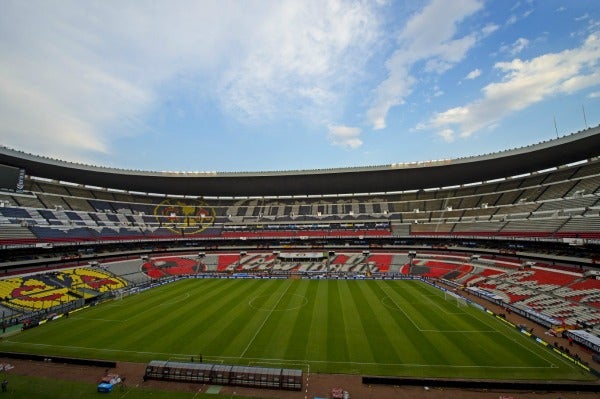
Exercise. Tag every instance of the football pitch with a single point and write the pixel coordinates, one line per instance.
(374, 327)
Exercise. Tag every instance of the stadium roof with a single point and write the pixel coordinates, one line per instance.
(386, 178)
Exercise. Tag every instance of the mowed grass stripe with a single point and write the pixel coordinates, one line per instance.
(392, 343)
(337, 346)
(131, 308)
(86, 328)
(191, 320)
(428, 315)
(451, 331)
(317, 327)
(404, 342)
(517, 347)
(479, 340)
(158, 324)
(457, 318)
(377, 323)
(427, 352)
(485, 337)
(357, 340)
(187, 323)
(102, 323)
(236, 322)
(299, 338)
(274, 337)
(222, 318)
(482, 344)
(438, 349)
(462, 345)
(155, 326)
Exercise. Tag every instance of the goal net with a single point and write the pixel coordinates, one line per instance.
(120, 294)
(460, 301)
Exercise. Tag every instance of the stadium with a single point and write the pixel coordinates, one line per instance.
(476, 273)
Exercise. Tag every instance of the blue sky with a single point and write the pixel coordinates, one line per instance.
(286, 85)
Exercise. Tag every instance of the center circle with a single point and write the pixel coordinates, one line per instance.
(269, 304)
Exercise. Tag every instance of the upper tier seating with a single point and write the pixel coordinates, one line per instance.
(559, 203)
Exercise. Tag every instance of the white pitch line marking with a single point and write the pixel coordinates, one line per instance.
(287, 361)
(265, 320)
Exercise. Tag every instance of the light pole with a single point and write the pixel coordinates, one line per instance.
(330, 256)
(242, 253)
(201, 256)
(411, 257)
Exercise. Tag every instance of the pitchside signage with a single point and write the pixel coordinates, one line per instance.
(12, 179)
(21, 181)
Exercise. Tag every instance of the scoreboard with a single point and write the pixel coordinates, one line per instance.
(12, 179)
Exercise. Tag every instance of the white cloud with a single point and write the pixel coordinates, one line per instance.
(439, 48)
(31, 111)
(514, 18)
(524, 83)
(77, 75)
(475, 73)
(59, 97)
(489, 29)
(447, 135)
(298, 60)
(302, 53)
(582, 17)
(345, 136)
(519, 45)
(595, 94)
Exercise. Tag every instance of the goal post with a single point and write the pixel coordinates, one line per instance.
(121, 293)
(460, 301)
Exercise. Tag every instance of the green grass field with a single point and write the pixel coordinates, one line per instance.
(27, 387)
(371, 327)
